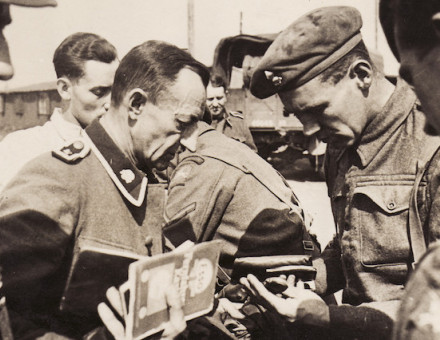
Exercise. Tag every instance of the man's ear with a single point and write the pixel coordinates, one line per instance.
(137, 98)
(64, 88)
(362, 71)
(435, 19)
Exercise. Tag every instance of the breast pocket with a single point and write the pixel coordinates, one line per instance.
(382, 211)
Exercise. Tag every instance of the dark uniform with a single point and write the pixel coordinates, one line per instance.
(369, 187)
(420, 310)
(87, 193)
(369, 183)
(233, 125)
(224, 191)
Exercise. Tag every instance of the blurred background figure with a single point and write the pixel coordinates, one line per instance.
(6, 68)
(230, 123)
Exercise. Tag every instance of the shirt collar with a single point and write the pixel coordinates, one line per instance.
(228, 119)
(65, 129)
(130, 181)
(378, 132)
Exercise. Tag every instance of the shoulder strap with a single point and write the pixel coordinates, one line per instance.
(416, 235)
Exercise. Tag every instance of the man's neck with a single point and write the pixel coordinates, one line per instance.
(68, 116)
(380, 93)
(112, 124)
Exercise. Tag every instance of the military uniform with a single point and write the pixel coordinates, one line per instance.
(419, 312)
(21, 146)
(224, 191)
(233, 125)
(86, 193)
(369, 183)
(370, 186)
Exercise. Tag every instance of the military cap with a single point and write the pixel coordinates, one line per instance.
(306, 48)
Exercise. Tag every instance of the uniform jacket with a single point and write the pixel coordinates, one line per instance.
(428, 199)
(369, 187)
(225, 191)
(233, 125)
(19, 147)
(85, 193)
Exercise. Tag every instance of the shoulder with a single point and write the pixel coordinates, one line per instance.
(72, 151)
(236, 114)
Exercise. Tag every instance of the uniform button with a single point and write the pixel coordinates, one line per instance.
(148, 241)
(78, 145)
(391, 205)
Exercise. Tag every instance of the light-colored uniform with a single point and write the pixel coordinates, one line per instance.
(19, 147)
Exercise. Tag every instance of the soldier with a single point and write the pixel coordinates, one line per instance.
(322, 72)
(93, 191)
(230, 123)
(85, 65)
(418, 52)
(225, 191)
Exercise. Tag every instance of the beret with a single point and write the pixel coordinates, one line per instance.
(306, 48)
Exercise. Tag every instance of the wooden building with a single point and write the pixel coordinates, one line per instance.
(28, 106)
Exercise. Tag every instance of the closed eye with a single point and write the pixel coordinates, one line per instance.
(101, 91)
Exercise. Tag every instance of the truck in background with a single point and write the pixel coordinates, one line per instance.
(278, 134)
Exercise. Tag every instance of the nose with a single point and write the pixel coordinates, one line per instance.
(189, 138)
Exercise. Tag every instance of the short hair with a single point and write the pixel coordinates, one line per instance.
(78, 48)
(217, 81)
(338, 70)
(153, 67)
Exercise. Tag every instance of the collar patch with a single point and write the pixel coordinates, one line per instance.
(72, 151)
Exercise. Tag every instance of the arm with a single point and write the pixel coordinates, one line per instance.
(37, 216)
(329, 276)
(196, 200)
(365, 321)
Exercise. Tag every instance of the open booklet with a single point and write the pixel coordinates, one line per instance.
(143, 281)
(192, 270)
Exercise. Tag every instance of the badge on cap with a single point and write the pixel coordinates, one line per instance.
(276, 80)
(127, 175)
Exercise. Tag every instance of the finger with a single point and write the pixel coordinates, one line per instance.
(177, 323)
(246, 284)
(261, 292)
(114, 298)
(111, 322)
(231, 308)
(300, 284)
(291, 281)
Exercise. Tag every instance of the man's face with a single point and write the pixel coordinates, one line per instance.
(335, 113)
(171, 122)
(90, 94)
(420, 67)
(216, 100)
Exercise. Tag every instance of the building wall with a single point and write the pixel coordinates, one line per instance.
(24, 110)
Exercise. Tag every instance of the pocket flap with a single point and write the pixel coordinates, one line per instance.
(391, 198)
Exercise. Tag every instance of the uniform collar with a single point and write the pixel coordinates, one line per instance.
(378, 132)
(130, 181)
(228, 119)
(65, 129)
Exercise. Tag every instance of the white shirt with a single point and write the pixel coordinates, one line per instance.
(19, 147)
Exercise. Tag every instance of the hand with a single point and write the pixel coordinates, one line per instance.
(173, 328)
(293, 304)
